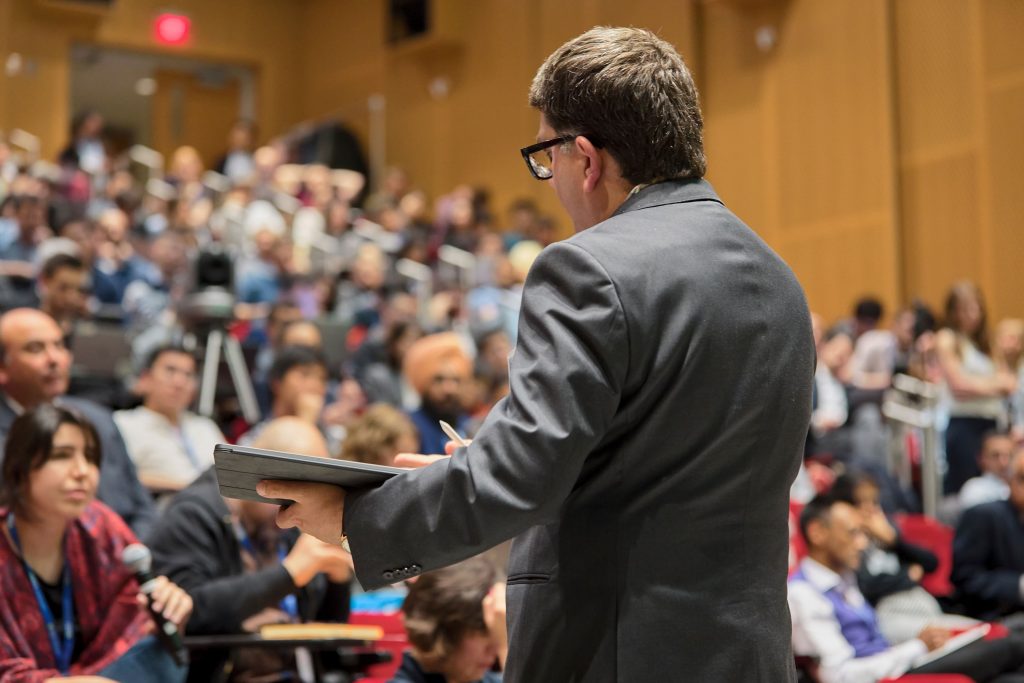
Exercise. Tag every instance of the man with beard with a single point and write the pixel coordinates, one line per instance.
(439, 369)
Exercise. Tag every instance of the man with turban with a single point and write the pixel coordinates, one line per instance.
(439, 369)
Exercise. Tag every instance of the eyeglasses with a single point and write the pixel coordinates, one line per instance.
(538, 156)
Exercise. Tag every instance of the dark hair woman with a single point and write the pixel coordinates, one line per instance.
(68, 606)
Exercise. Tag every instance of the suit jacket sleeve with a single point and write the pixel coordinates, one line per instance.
(566, 379)
(973, 573)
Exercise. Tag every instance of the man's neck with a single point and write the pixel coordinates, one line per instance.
(173, 416)
(825, 561)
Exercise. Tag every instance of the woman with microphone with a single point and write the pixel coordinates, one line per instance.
(69, 609)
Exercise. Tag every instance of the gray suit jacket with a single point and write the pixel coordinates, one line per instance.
(660, 398)
(119, 485)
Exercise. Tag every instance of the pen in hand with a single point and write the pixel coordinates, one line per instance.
(452, 434)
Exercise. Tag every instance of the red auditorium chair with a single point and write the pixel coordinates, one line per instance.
(394, 641)
(938, 538)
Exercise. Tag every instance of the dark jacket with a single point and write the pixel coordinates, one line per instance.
(660, 398)
(988, 560)
(878, 585)
(119, 486)
(194, 544)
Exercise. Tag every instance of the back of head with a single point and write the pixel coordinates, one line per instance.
(376, 437)
(292, 435)
(631, 92)
(444, 605)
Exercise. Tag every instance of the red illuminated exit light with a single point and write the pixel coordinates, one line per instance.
(172, 29)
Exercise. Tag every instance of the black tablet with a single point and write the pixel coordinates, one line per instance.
(240, 469)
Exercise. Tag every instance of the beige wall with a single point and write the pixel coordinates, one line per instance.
(263, 34)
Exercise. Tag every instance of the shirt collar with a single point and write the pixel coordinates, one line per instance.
(819, 576)
(15, 407)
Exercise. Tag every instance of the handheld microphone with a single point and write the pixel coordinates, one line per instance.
(137, 558)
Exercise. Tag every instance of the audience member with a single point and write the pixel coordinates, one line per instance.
(33, 371)
(68, 604)
(835, 625)
(64, 290)
(169, 445)
(454, 618)
(378, 435)
(1010, 359)
(979, 389)
(988, 552)
(241, 570)
(891, 568)
(439, 369)
(382, 380)
(993, 482)
(237, 163)
(298, 388)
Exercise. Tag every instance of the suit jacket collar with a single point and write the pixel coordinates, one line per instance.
(669, 192)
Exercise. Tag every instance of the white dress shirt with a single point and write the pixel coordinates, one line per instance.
(176, 452)
(816, 631)
(987, 488)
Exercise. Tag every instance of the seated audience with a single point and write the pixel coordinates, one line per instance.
(993, 482)
(68, 605)
(298, 388)
(169, 445)
(439, 369)
(34, 369)
(241, 570)
(979, 388)
(64, 290)
(988, 552)
(381, 433)
(891, 568)
(455, 621)
(834, 624)
(382, 379)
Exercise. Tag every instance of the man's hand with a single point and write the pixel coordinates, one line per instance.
(416, 460)
(170, 600)
(311, 556)
(317, 509)
(934, 637)
(494, 618)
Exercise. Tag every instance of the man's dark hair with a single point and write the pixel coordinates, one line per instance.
(59, 261)
(291, 357)
(817, 510)
(28, 447)
(868, 309)
(445, 605)
(845, 485)
(153, 356)
(630, 92)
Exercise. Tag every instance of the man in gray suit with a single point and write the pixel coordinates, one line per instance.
(660, 398)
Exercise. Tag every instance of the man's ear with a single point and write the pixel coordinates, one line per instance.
(594, 163)
(817, 532)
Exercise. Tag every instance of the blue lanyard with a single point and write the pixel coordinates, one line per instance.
(63, 648)
(289, 604)
(186, 445)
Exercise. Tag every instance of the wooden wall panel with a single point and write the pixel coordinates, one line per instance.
(800, 138)
(960, 81)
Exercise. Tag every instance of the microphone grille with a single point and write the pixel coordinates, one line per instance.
(136, 557)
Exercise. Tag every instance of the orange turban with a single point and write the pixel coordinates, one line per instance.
(428, 355)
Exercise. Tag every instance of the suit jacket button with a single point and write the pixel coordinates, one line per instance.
(415, 569)
(388, 575)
